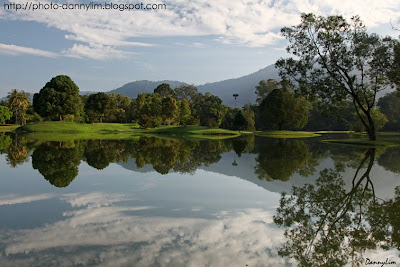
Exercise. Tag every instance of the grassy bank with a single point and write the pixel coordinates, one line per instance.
(365, 142)
(287, 134)
(62, 131)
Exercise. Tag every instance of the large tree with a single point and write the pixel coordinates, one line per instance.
(283, 108)
(97, 105)
(337, 60)
(164, 89)
(209, 109)
(170, 110)
(186, 92)
(264, 88)
(58, 98)
(18, 102)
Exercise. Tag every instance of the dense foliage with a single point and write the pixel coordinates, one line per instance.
(59, 99)
(282, 108)
(5, 114)
(338, 61)
(18, 103)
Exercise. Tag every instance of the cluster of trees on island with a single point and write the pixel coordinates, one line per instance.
(337, 73)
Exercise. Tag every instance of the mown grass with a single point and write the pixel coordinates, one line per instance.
(8, 128)
(64, 131)
(287, 134)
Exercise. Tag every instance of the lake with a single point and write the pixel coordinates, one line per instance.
(245, 201)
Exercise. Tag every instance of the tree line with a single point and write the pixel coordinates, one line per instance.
(59, 100)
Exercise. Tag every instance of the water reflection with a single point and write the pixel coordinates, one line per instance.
(58, 162)
(275, 159)
(108, 230)
(342, 207)
(280, 158)
(330, 225)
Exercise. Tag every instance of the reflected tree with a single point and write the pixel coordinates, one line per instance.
(100, 153)
(329, 225)
(5, 141)
(390, 160)
(280, 159)
(18, 151)
(58, 161)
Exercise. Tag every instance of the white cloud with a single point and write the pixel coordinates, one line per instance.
(96, 51)
(242, 22)
(15, 50)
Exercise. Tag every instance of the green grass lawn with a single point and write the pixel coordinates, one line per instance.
(63, 131)
(8, 128)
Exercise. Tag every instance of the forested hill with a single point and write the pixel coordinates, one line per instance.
(244, 86)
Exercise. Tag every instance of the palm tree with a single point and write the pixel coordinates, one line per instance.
(18, 102)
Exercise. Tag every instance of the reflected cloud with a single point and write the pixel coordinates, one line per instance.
(15, 199)
(105, 232)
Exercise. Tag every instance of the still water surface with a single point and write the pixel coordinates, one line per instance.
(167, 202)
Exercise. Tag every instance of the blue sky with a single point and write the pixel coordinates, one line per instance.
(194, 41)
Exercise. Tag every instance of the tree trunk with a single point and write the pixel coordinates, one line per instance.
(371, 129)
(369, 124)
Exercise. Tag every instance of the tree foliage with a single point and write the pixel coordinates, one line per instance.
(5, 114)
(283, 108)
(394, 72)
(164, 90)
(379, 118)
(97, 106)
(239, 121)
(58, 98)
(264, 88)
(390, 106)
(18, 103)
(338, 60)
(209, 109)
(186, 92)
(58, 162)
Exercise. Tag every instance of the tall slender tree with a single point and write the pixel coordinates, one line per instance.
(18, 102)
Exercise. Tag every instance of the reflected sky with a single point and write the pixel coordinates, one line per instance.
(123, 212)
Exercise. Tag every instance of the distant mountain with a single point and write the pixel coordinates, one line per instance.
(87, 92)
(138, 87)
(244, 86)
